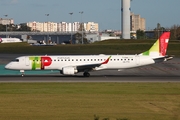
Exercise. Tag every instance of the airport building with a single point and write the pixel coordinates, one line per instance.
(137, 23)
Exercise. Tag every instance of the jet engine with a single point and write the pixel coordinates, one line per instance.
(69, 70)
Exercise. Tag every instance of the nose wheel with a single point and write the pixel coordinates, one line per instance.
(22, 72)
(86, 74)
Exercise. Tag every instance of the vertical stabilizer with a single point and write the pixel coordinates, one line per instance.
(160, 46)
(164, 39)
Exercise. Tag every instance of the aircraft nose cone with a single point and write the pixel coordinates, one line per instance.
(7, 66)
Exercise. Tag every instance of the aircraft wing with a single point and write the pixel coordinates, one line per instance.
(89, 67)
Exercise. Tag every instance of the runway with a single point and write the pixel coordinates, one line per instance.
(94, 78)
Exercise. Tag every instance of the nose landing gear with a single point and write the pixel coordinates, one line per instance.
(22, 72)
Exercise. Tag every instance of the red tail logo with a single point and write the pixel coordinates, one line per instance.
(163, 43)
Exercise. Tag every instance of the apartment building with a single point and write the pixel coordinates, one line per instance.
(62, 26)
(35, 26)
(42, 27)
(92, 27)
(50, 27)
(6, 21)
(137, 22)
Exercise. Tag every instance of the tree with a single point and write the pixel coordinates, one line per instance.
(175, 32)
(140, 34)
(79, 35)
(10, 27)
(158, 31)
(178, 33)
(2, 27)
(24, 27)
(13, 27)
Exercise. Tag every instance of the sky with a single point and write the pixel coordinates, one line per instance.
(107, 13)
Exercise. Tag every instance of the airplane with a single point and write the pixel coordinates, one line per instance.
(9, 40)
(73, 64)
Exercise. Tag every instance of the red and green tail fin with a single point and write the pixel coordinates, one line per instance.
(160, 46)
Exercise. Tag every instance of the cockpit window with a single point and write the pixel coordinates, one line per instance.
(16, 60)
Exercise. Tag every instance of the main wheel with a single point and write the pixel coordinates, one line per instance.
(86, 74)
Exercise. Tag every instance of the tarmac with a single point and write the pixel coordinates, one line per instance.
(168, 71)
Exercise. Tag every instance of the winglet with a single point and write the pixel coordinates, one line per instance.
(105, 62)
(160, 46)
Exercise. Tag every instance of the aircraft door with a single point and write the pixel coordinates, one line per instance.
(27, 61)
(137, 60)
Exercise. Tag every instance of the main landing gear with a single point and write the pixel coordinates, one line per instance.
(86, 74)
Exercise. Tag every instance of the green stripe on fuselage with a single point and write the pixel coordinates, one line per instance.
(36, 62)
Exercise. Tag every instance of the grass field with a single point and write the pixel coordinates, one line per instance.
(104, 47)
(81, 101)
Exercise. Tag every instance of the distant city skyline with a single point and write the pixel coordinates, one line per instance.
(106, 13)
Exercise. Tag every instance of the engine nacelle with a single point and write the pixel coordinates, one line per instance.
(69, 71)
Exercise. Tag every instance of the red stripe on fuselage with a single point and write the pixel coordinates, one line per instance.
(45, 61)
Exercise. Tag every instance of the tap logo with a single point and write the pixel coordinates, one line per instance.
(40, 62)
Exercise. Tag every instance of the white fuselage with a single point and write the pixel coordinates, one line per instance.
(118, 62)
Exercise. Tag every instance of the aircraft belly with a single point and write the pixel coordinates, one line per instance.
(146, 61)
(121, 65)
